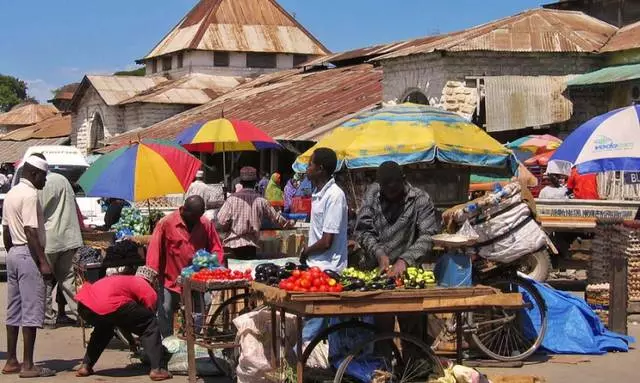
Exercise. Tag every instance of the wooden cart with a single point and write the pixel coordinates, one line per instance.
(430, 300)
(216, 330)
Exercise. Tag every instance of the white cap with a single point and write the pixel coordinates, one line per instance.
(200, 174)
(38, 163)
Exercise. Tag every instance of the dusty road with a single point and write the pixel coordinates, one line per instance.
(62, 350)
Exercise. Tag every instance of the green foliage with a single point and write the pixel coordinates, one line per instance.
(135, 72)
(12, 92)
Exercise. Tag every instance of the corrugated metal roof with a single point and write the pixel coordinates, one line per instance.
(56, 126)
(607, 75)
(627, 37)
(27, 115)
(536, 30)
(66, 92)
(12, 151)
(287, 105)
(518, 102)
(193, 89)
(115, 89)
(241, 26)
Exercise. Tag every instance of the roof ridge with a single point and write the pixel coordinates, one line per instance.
(204, 24)
(299, 25)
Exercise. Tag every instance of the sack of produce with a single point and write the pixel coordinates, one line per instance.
(502, 223)
(527, 238)
(178, 363)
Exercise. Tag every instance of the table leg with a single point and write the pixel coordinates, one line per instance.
(282, 348)
(187, 298)
(459, 336)
(300, 362)
(274, 339)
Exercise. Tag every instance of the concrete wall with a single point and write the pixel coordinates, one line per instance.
(82, 119)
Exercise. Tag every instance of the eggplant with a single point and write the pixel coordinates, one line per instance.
(333, 274)
(376, 286)
(364, 289)
(290, 266)
(260, 279)
(358, 284)
(390, 282)
(390, 287)
(260, 275)
(273, 281)
(350, 287)
(263, 266)
(422, 284)
(284, 274)
(303, 267)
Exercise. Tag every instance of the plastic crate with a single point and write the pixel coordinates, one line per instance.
(301, 205)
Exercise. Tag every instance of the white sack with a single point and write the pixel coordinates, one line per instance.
(526, 240)
(502, 223)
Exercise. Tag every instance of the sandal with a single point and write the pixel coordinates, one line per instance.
(12, 370)
(38, 372)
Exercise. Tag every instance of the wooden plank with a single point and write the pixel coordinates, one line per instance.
(511, 300)
(618, 295)
(633, 308)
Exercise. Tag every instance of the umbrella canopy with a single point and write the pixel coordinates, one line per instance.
(609, 142)
(411, 133)
(540, 159)
(223, 135)
(148, 169)
(534, 144)
(523, 175)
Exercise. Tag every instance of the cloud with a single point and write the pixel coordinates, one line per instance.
(40, 89)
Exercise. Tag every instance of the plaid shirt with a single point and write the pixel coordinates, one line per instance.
(241, 217)
(400, 231)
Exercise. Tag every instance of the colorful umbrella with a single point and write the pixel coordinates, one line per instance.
(411, 133)
(223, 135)
(609, 142)
(148, 169)
(528, 146)
(540, 159)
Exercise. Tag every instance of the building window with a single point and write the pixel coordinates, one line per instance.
(262, 60)
(299, 60)
(180, 57)
(221, 59)
(154, 66)
(166, 63)
(96, 135)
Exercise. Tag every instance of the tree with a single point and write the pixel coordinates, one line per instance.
(135, 72)
(12, 92)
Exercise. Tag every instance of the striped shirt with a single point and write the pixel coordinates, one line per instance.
(241, 217)
(401, 230)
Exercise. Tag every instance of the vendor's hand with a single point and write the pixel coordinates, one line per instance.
(45, 270)
(290, 224)
(397, 269)
(383, 263)
(303, 256)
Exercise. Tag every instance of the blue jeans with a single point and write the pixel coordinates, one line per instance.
(169, 304)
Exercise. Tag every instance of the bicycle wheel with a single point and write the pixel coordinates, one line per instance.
(392, 368)
(510, 334)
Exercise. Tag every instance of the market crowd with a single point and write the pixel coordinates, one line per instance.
(42, 230)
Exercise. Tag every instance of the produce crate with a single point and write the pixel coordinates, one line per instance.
(98, 239)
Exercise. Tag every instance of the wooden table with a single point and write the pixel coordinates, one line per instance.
(431, 300)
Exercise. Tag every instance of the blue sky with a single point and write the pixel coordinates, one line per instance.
(50, 43)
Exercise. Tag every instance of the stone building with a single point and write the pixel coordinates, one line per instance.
(615, 12)
(218, 45)
(506, 75)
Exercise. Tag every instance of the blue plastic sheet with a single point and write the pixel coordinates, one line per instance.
(343, 342)
(573, 327)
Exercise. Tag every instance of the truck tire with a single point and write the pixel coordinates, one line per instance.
(537, 265)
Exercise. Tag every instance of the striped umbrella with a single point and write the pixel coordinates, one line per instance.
(148, 169)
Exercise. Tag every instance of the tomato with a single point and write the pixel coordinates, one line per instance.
(313, 289)
(323, 289)
(339, 288)
(315, 269)
(332, 282)
(305, 283)
(288, 286)
(296, 273)
(282, 285)
(317, 282)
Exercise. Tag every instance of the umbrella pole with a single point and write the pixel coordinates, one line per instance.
(224, 165)
(149, 212)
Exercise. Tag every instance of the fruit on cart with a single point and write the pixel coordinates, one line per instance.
(417, 278)
(312, 280)
(221, 275)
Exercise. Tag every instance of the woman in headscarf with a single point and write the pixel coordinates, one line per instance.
(290, 190)
(273, 193)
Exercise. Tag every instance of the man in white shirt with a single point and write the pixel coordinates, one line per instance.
(327, 248)
(27, 267)
(557, 189)
(213, 195)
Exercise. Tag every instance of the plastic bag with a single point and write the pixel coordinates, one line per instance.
(467, 231)
(343, 342)
(178, 363)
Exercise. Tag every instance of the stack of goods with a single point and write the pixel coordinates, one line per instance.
(202, 261)
(87, 255)
(133, 223)
(601, 248)
(120, 251)
(597, 297)
(501, 222)
(631, 250)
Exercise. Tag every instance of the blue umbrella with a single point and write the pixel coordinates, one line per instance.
(609, 142)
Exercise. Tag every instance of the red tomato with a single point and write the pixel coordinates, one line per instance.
(315, 269)
(317, 282)
(289, 286)
(313, 289)
(332, 282)
(323, 289)
(339, 288)
(296, 273)
(305, 283)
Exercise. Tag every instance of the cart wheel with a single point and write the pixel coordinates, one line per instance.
(324, 335)
(392, 367)
(510, 334)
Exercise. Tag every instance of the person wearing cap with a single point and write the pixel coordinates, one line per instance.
(241, 217)
(212, 195)
(27, 266)
(127, 302)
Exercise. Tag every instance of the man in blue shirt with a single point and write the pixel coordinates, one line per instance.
(327, 247)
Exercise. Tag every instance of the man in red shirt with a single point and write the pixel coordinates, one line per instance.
(127, 302)
(175, 240)
(583, 186)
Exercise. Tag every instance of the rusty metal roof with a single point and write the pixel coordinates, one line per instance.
(627, 37)
(518, 102)
(536, 30)
(53, 127)
(193, 89)
(115, 89)
(12, 151)
(66, 92)
(27, 115)
(288, 105)
(239, 26)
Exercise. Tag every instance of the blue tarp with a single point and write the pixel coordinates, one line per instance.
(573, 327)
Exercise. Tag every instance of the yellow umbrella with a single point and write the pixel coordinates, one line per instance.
(411, 133)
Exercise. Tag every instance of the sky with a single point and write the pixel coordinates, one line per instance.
(49, 43)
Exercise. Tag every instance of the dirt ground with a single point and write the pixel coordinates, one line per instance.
(62, 350)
